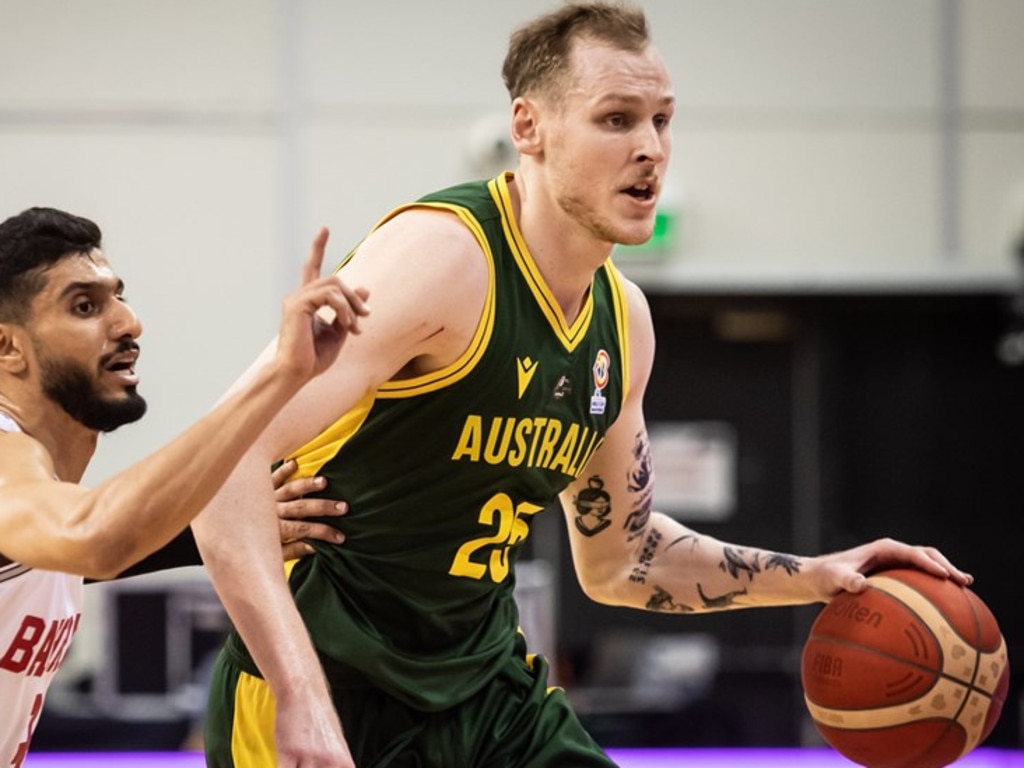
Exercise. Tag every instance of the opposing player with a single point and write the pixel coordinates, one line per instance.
(505, 369)
(68, 348)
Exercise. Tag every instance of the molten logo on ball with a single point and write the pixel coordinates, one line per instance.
(854, 611)
(911, 673)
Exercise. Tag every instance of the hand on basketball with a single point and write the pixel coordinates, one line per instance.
(848, 570)
(318, 316)
(294, 508)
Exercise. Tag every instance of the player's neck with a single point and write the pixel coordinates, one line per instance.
(566, 259)
(69, 443)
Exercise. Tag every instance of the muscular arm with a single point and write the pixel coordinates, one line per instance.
(99, 532)
(45, 523)
(647, 560)
(179, 552)
(294, 509)
(415, 328)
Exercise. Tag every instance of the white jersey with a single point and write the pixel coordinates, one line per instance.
(39, 613)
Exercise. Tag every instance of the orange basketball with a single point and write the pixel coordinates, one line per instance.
(911, 673)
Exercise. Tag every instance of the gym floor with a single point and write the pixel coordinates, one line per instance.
(627, 758)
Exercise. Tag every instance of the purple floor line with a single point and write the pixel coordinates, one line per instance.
(627, 758)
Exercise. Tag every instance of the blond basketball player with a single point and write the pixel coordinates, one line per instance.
(504, 373)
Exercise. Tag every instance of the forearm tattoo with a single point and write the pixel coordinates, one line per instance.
(691, 537)
(722, 601)
(662, 602)
(737, 562)
(789, 563)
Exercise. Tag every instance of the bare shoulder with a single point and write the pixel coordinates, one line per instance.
(428, 278)
(641, 334)
(640, 322)
(28, 486)
(635, 296)
(22, 459)
(431, 241)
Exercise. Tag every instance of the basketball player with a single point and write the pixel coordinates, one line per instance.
(68, 348)
(505, 370)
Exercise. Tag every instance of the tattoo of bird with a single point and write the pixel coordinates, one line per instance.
(663, 602)
(734, 563)
(789, 563)
(722, 601)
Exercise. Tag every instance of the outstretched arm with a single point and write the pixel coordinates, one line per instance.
(294, 512)
(99, 532)
(644, 559)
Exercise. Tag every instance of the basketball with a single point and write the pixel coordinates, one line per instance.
(910, 673)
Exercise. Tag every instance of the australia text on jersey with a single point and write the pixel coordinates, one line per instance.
(536, 441)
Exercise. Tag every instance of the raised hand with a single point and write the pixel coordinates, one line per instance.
(318, 316)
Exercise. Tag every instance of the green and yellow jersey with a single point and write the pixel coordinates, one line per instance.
(443, 474)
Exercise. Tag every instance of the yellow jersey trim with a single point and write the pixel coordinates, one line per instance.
(465, 363)
(621, 321)
(325, 446)
(570, 336)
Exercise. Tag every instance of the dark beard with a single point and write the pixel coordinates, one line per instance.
(68, 385)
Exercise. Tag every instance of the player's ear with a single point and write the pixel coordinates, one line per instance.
(525, 130)
(12, 355)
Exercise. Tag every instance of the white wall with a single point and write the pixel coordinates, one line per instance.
(211, 137)
(816, 141)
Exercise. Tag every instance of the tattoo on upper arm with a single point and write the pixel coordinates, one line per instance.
(638, 482)
(647, 552)
(593, 506)
(636, 522)
(642, 471)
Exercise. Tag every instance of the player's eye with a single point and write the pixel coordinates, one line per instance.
(83, 306)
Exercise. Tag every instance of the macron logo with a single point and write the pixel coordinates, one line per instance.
(525, 368)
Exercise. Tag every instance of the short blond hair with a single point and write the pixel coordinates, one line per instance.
(537, 61)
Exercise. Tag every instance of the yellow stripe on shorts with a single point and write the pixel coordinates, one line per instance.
(252, 730)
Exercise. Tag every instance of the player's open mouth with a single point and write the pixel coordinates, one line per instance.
(123, 365)
(640, 191)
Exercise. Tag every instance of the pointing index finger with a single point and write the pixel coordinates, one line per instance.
(314, 262)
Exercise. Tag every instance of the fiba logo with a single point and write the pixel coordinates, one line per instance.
(601, 370)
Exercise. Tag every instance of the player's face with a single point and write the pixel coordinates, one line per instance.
(84, 337)
(609, 145)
